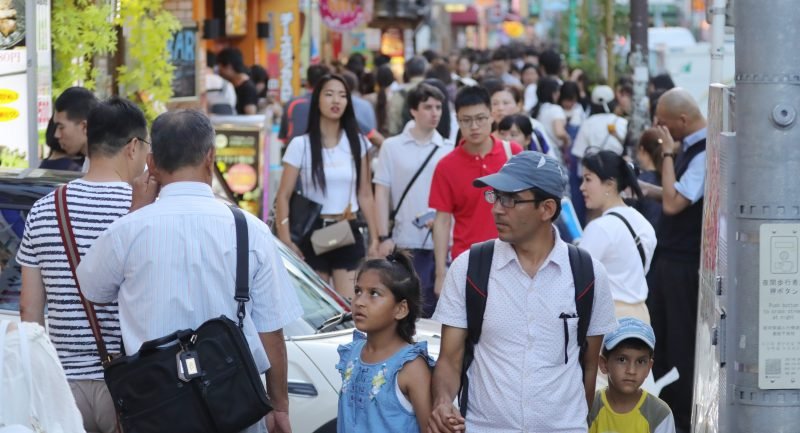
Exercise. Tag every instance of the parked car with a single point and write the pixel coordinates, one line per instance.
(311, 341)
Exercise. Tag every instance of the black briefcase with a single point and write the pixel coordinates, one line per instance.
(193, 381)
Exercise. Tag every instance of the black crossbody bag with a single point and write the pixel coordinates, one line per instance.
(194, 381)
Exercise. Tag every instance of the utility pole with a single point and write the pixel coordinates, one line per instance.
(761, 377)
(640, 118)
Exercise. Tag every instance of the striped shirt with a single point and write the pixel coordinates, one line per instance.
(92, 208)
(172, 265)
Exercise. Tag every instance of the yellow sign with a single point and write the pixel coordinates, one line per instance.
(283, 56)
(8, 96)
(8, 114)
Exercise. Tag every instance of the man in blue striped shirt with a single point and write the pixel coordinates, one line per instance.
(116, 133)
(172, 264)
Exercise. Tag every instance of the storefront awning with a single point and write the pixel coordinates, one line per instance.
(467, 17)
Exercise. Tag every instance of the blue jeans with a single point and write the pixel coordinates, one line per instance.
(425, 265)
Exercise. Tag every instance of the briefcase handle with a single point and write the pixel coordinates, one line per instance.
(153, 345)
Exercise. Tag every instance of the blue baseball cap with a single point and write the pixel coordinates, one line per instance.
(526, 170)
(630, 327)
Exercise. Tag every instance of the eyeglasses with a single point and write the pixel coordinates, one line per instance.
(479, 121)
(140, 139)
(507, 201)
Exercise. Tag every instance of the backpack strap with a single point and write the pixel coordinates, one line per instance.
(476, 293)
(583, 275)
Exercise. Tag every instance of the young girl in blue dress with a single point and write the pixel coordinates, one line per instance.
(386, 376)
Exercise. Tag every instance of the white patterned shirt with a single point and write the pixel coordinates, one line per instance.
(519, 381)
(172, 265)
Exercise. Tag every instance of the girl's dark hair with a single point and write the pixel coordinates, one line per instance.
(649, 143)
(347, 122)
(397, 273)
(544, 93)
(569, 92)
(50, 137)
(608, 165)
(385, 77)
(522, 121)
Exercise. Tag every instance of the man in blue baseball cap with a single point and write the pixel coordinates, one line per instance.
(525, 374)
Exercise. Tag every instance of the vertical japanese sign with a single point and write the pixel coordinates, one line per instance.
(44, 68)
(779, 307)
(284, 55)
(183, 55)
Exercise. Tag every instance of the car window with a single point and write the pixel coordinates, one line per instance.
(12, 225)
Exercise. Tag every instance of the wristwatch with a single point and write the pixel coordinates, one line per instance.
(668, 154)
(383, 238)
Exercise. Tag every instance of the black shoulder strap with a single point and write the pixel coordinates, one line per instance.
(411, 182)
(636, 239)
(583, 275)
(242, 263)
(476, 293)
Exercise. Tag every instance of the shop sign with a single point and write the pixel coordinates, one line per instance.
(342, 15)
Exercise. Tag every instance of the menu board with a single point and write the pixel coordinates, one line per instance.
(239, 162)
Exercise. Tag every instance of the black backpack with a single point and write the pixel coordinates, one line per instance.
(477, 290)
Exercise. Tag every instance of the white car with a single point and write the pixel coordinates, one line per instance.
(311, 342)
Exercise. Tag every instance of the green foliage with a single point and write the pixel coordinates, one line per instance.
(147, 76)
(12, 158)
(80, 30)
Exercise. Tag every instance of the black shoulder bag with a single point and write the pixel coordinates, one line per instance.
(194, 381)
(477, 292)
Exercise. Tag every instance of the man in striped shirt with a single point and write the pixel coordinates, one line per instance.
(118, 147)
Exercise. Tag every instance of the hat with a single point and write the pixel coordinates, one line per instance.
(630, 327)
(527, 170)
(602, 95)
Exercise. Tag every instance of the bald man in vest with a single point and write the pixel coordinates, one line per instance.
(674, 278)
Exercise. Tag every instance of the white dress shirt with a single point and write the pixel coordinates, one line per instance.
(519, 381)
(399, 159)
(172, 265)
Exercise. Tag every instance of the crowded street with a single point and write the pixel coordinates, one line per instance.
(431, 216)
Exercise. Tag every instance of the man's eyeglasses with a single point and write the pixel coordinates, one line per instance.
(507, 201)
(479, 121)
(140, 139)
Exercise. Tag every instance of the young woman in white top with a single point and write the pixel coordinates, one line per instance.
(551, 115)
(330, 162)
(622, 239)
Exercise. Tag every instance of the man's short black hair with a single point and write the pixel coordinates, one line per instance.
(422, 93)
(416, 67)
(112, 124)
(77, 102)
(351, 79)
(501, 54)
(550, 62)
(181, 139)
(314, 73)
(628, 343)
(258, 74)
(540, 196)
(233, 57)
(472, 95)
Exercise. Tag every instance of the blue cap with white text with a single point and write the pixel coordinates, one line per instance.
(630, 327)
(527, 170)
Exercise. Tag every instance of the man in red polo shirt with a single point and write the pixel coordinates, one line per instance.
(452, 195)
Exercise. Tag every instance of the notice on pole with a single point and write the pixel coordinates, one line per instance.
(779, 307)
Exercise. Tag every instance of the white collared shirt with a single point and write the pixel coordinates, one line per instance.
(399, 159)
(172, 265)
(693, 181)
(519, 380)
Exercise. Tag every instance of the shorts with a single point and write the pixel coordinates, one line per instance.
(348, 258)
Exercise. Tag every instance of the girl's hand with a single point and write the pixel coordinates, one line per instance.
(445, 418)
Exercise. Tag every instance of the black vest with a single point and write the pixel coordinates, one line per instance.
(679, 236)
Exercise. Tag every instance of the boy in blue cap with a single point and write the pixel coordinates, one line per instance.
(624, 407)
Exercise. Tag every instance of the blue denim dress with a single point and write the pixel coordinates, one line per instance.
(368, 401)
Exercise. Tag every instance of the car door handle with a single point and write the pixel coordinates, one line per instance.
(302, 389)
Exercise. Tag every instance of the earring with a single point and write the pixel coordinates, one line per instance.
(607, 194)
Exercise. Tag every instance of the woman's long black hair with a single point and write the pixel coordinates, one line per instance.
(545, 88)
(346, 122)
(608, 165)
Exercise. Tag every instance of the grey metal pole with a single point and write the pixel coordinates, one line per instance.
(764, 395)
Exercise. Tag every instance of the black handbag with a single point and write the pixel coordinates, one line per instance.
(194, 381)
(303, 213)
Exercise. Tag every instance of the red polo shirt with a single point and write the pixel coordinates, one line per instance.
(452, 192)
